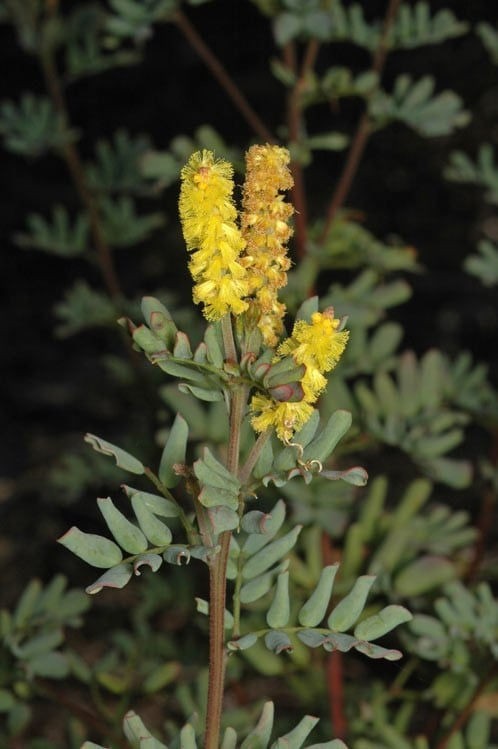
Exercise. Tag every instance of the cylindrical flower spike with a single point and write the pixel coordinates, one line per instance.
(208, 219)
(265, 228)
(318, 345)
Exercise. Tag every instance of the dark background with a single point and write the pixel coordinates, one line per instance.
(48, 385)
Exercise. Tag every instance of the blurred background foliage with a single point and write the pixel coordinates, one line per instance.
(390, 113)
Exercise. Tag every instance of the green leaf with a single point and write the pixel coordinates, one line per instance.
(123, 459)
(279, 612)
(243, 642)
(413, 104)
(128, 536)
(123, 226)
(259, 737)
(155, 530)
(159, 320)
(117, 164)
(315, 608)
(347, 611)
(222, 518)
(41, 643)
(323, 445)
(376, 651)
(218, 485)
(7, 701)
(174, 452)
(139, 736)
(255, 541)
(287, 26)
(56, 236)
(83, 308)
(161, 506)
(257, 587)
(203, 608)
(380, 624)
(278, 642)
(489, 39)
(328, 142)
(96, 550)
(295, 739)
(268, 555)
(161, 677)
(33, 126)
(49, 665)
(28, 603)
(187, 737)
(423, 575)
(116, 577)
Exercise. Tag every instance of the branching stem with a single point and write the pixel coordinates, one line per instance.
(294, 115)
(222, 76)
(465, 714)
(77, 172)
(363, 129)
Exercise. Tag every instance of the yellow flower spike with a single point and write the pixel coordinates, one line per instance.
(208, 217)
(265, 228)
(318, 345)
(286, 418)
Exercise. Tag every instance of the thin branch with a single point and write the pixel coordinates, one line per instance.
(334, 666)
(76, 169)
(363, 129)
(217, 589)
(485, 519)
(465, 714)
(223, 77)
(294, 116)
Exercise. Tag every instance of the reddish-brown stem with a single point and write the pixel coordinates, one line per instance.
(222, 76)
(465, 714)
(335, 683)
(485, 519)
(77, 172)
(363, 129)
(217, 575)
(334, 667)
(294, 114)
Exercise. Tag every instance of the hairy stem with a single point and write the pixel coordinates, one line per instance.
(218, 567)
(228, 339)
(363, 130)
(223, 78)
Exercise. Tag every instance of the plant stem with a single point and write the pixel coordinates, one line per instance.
(228, 339)
(363, 129)
(223, 78)
(334, 666)
(294, 114)
(485, 518)
(252, 458)
(465, 714)
(189, 530)
(77, 172)
(218, 566)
